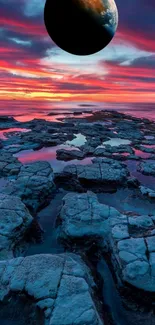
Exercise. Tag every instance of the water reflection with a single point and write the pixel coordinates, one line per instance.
(115, 142)
(49, 154)
(79, 141)
(3, 133)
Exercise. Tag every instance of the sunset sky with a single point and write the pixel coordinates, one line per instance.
(35, 74)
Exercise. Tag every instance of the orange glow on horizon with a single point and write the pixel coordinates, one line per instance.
(27, 80)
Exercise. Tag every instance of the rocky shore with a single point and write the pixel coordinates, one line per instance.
(77, 229)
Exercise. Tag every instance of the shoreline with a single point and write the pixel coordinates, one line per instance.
(105, 159)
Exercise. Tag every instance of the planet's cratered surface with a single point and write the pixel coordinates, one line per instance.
(81, 27)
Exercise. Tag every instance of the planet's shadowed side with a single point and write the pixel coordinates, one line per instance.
(81, 27)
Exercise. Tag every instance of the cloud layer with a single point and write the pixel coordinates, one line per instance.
(34, 72)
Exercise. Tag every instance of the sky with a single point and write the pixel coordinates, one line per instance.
(36, 75)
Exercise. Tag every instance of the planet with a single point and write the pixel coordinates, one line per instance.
(81, 27)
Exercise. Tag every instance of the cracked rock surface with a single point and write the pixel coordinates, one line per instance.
(9, 165)
(60, 286)
(130, 239)
(34, 184)
(83, 216)
(14, 221)
(102, 171)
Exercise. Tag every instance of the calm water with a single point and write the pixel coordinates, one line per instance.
(24, 111)
(4, 136)
(115, 142)
(49, 154)
(79, 141)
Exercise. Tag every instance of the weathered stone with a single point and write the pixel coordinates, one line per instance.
(100, 172)
(141, 221)
(151, 243)
(147, 191)
(34, 184)
(63, 154)
(14, 221)
(83, 216)
(63, 298)
(9, 165)
(147, 168)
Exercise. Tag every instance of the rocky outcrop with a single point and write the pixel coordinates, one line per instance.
(34, 184)
(45, 137)
(14, 221)
(130, 239)
(132, 246)
(59, 285)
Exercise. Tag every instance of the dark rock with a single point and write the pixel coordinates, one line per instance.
(65, 155)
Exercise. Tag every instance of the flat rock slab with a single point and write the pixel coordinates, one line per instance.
(34, 184)
(102, 171)
(14, 221)
(60, 285)
(83, 216)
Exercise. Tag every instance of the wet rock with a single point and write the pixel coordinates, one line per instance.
(9, 165)
(60, 285)
(101, 152)
(28, 146)
(130, 239)
(87, 150)
(92, 142)
(34, 185)
(148, 150)
(134, 157)
(82, 216)
(7, 121)
(130, 255)
(65, 155)
(45, 138)
(133, 182)
(147, 191)
(119, 149)
(147, 168)
(100, 173)
(14, 221)
(129, 130)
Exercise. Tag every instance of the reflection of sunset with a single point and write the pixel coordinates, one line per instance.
(27, 157)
